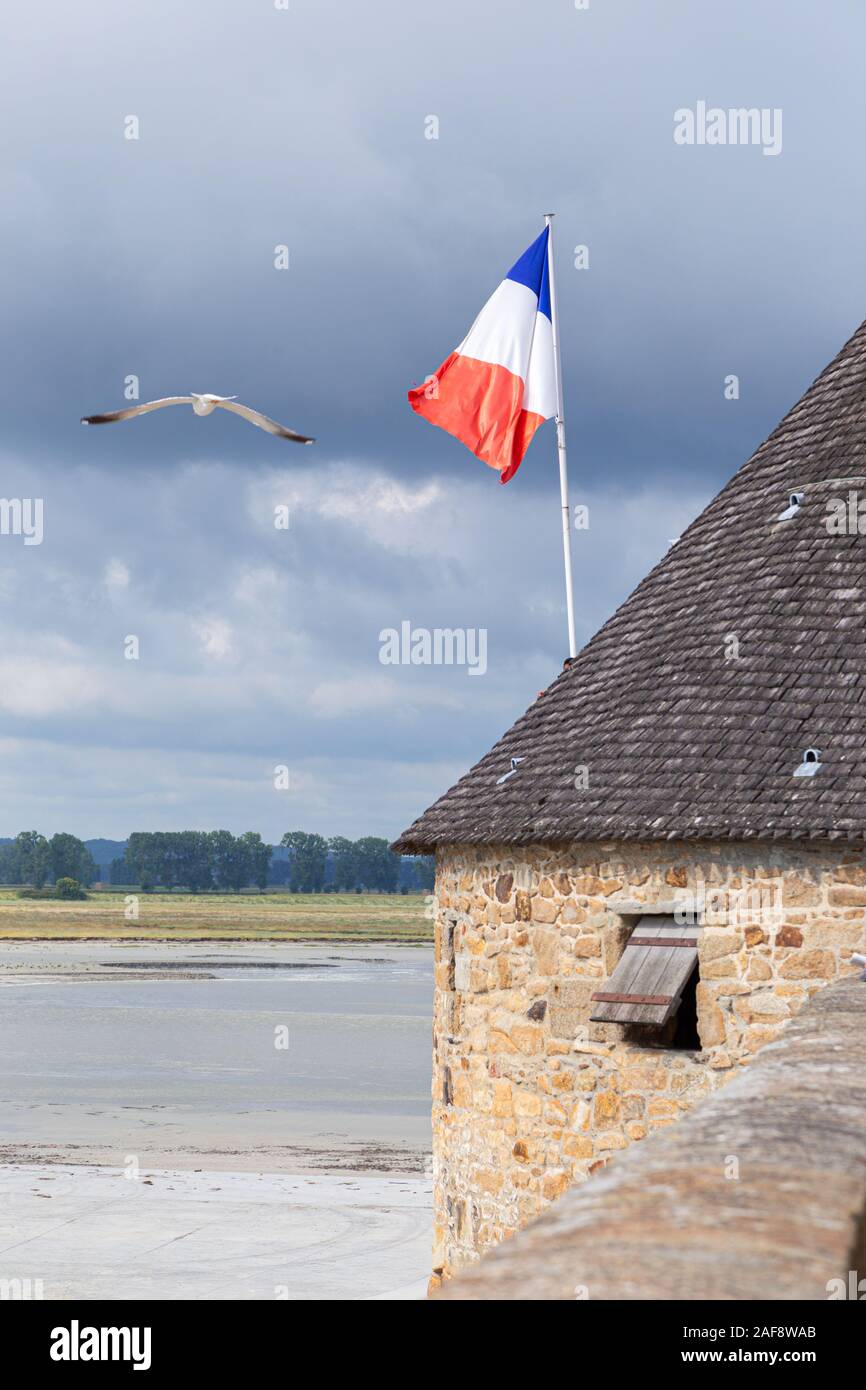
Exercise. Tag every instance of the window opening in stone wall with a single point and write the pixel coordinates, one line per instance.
(453, 984)
(686, 1033)
(681, 1030)
(450, 949)
(653, 989)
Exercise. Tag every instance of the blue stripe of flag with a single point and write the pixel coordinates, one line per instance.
(531, 270)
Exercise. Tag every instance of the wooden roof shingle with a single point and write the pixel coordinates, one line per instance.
(682, 740)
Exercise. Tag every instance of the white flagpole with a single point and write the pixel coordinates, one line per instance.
(560, 442)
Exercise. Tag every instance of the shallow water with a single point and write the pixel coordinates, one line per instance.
(96, 1065)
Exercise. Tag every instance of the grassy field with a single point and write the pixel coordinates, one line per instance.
(241, 917)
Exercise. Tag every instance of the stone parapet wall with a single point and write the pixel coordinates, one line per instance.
(528, 1095)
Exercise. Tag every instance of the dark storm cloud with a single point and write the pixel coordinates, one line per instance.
(306, 127)
(154, 257)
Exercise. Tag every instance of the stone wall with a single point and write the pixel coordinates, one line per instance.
(759, 1194)
(528, 1095)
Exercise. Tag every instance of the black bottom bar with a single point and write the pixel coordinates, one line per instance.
(243, 1339)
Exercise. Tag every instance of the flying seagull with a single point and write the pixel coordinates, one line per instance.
(202, 405)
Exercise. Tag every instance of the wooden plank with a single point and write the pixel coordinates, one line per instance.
(651, 967)
(638, 971)
(663, 941)
(678, 966)
(606, 997)
(641, 970)
(627, 978)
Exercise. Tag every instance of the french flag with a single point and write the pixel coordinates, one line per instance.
(499, 385)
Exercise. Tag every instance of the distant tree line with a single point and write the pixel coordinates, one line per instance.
(30, 858)
(193, 859)
(207, 860)
(338, 865)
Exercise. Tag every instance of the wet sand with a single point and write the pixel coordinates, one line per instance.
(170, 1053)
(93, 1233)
(157, 1139)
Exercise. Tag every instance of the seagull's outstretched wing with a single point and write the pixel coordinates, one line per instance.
(135, 410)
(255, 417)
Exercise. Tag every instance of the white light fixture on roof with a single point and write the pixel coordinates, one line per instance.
(795, 502)
(810, 764)
(505, 776)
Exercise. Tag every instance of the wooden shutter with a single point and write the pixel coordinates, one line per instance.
(652, 973)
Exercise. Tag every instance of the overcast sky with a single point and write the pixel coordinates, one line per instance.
(305, 127)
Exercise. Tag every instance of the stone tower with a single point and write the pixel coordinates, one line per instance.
(678, 859)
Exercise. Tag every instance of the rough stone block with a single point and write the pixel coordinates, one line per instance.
(815, 965)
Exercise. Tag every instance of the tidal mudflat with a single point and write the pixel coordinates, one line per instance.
(170, 1086)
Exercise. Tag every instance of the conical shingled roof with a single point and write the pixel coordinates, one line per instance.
(679, 741)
